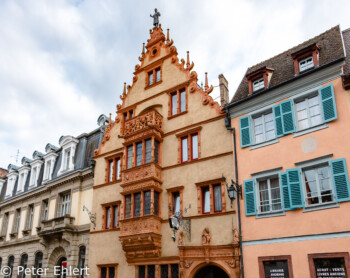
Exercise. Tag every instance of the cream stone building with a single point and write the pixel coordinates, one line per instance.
(45, 205)
(162, 159)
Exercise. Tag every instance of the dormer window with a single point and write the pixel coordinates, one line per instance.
(50, 159)
(259, 79)
(23, 173)
(306, 63)
(68, 144)
(306, 58)
(258, 84)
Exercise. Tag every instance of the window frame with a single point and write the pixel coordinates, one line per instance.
(111, 207)
(107, 266)
(43, 202)
(334, 255)
(260, 81)
(258, 200)
(262, 114)
(287, 258)
(30, 217)
(189, 135)
(116, 160)
(307, 64)
(211, 184)
(60, 203)
(178, 92)
(154, 71)
(4, 224)
(170, 191)
(16, 221)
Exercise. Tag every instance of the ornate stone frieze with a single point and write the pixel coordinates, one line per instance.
(151, 119)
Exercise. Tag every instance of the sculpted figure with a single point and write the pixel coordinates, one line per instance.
(155, 18)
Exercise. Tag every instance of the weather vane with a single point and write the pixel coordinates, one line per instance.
(155, 18)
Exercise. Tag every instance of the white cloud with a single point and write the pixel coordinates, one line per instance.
(64, 62)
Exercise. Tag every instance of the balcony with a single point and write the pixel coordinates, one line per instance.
(141, 237)
(56, 227)
(148, 121)
(149, 171)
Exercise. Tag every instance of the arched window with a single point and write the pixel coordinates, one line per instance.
(10, 264)
(38, 263)
(24, 264)
(81, 262)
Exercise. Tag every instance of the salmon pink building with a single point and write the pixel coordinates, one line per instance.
(291, 119)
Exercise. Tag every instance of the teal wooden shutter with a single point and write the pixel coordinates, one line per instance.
(285, 191)
(296, 192)
(287, 116)
(249, 195)
(278, 120)
(329, 110)
(244, 125)
(340, 180)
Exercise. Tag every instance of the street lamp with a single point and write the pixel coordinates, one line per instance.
(233, 190)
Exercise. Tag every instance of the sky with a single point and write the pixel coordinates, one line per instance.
(63, 63)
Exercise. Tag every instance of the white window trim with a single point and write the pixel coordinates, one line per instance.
(68, 143)
(49, 157)
(2, 182)
(259, 82)
(35, 164)
(269, 174)
(314, 164)
(307, 66)
(24, 170)
(11, 182)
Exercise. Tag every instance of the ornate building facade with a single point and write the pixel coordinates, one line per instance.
(162, 160)
(45, 205)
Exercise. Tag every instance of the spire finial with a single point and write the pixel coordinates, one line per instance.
(167, 35)
(143, 49)
(188, 59)
(206, 87)
(110, 118)
(124, 91)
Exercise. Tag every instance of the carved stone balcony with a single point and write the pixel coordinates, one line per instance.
(141, 237)
(145, 172)
(56, 227)
(148, 121)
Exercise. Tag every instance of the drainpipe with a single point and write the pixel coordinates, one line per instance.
(228, 127)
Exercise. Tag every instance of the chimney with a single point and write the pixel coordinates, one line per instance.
(224, 96)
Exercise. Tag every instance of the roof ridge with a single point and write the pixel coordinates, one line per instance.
(284, 52)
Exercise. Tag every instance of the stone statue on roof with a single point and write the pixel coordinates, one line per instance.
(155, 18)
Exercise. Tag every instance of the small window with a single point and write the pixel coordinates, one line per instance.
(64, 207)
(150, 78)
(308, 112)
(113, 172)
(44, 210)
(156, 151)
(17, 221)
(24, 265)
(184, 149)
(157, 74)
(194, 144)
(5, 222)
(33, 176)
(154, 76)
(137, 204)
(67, 159)
(81, 261)
(269, 194)
(147, 203)
(108, 217)
(318, 185)
(111, 216)
(264, 127)
(258, 84)
(115, 216)
(127, 206)
(206, 199)
(217, 198)
(190, 147)
(178, 102)
(176, 202)
(10, 264)
(306, 63)
(111, 166)
(30, 216)
(108, 272)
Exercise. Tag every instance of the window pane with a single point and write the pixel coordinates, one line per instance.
(217, 197)
(150, 78)
(156, 203)
(184, 149)
(276, 201)
(330, 267)
(127, 206)
(276, 269)
(130, 156)
(206, 199)
(137, 204)
(117, 169)
(311, 187)
(164, 271)
(174, 104)
(176, 203)
(115, 219)
(157, 75)
(103, 272)
(148, 150)
(151, 271)
(110, 170)
(194, 146)
(111, 272)
(264, 196)
(183, 101)
(147, 203)
(138, 154)
(131, 113)
(142, 272)
(156, 151)
(108, 217)
(174, 271)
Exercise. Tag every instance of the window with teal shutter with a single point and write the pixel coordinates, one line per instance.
(278, 120)
(285, 191)
(244, 125)
(295, 189)
(249, 196)
(340, 180)
(287, 116)
(329, 110)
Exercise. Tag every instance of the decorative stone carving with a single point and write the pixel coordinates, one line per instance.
(235, 236)
(206, 237)
(151, 119)
(180, 240)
